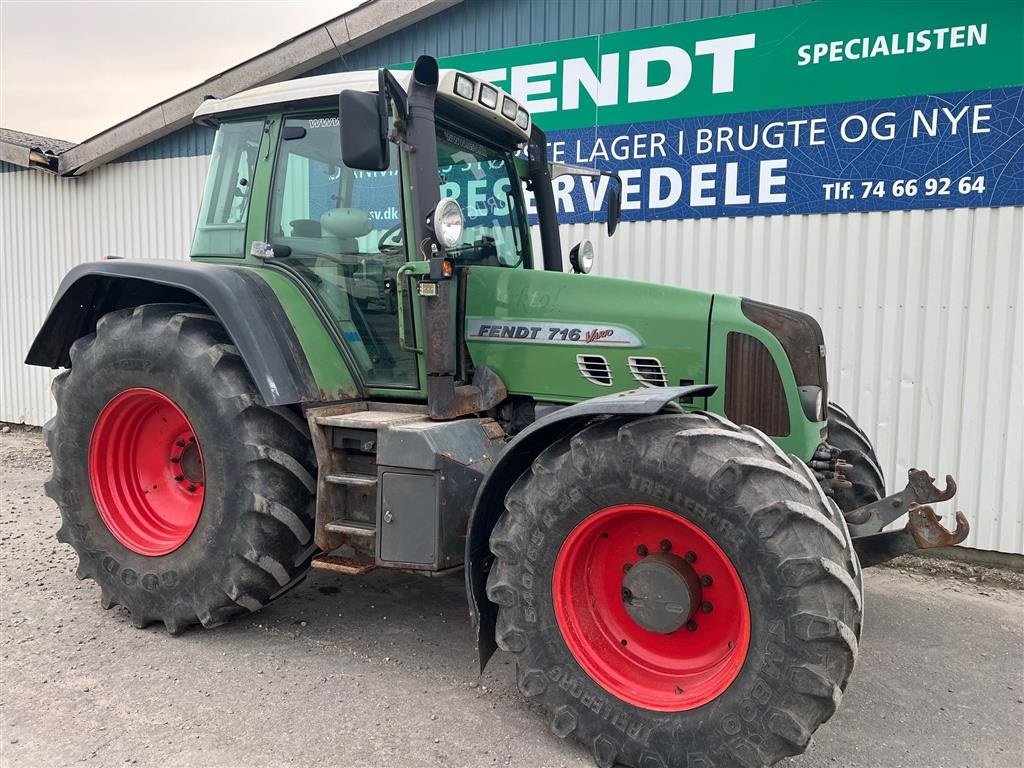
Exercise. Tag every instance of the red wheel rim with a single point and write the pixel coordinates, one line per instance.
(146, 471)
(668, 672)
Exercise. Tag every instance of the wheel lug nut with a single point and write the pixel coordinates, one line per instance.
(706, 580)
(691, 625)
(626, 568)
(179, 478)
(642, 550)
(175, 459)
(690, 556)
(666, 545)
(706, 607)
(180, 443)
(192, 489)
(626, 594)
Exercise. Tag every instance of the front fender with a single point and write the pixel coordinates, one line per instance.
(489, 503)
(247, 307)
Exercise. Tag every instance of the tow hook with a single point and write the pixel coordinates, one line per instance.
(921, 489)
(922, 531)
(928, 532)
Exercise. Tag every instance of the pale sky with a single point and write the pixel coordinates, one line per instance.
(69, 70)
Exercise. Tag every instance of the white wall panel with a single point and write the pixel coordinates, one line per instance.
(49, 224)
(922, 318)
(921, 309)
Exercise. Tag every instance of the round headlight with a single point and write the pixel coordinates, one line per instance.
(447, 222)
(582, 257)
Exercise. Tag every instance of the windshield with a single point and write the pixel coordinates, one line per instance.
(481, 179)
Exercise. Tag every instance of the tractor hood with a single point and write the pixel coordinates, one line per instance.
(562, 337)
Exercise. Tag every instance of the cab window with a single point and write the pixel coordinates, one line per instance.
(220, 228)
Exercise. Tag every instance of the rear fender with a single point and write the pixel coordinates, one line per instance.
(517, 457)
(247, 307)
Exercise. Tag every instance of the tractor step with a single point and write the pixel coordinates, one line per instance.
(345, 438)
(351, 530)
(341, 565)
(368, 419)
(353, 480)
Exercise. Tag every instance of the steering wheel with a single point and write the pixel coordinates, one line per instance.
(382, 246)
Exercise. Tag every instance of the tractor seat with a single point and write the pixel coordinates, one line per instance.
(346, 224)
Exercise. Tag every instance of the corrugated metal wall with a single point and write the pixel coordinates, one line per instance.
(142, 209)
(921, 309)
(922, 318)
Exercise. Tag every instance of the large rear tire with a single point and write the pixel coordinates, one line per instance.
(185, 497)
(857, 451)
(678, 593)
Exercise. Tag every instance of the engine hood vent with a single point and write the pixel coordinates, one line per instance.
(648, 371)
(595, 369)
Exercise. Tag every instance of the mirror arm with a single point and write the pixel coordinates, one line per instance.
(387, 83)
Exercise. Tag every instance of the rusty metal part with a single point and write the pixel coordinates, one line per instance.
(829, 469)
(922, 531)
(341, 565)
(446, 401)
(921, 489)
(929, 533)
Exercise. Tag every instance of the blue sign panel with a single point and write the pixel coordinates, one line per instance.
(940, 151)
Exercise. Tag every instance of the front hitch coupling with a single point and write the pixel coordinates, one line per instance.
(923, 529)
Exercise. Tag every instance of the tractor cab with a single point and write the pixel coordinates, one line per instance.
(333, 198)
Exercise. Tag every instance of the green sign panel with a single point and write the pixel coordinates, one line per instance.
(825, 52)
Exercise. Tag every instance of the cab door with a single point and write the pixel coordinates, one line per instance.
(339, 231)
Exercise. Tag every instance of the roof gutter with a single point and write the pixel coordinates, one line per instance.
(359, 27)
(28, 158)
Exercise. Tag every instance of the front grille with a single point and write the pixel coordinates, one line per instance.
(648, 371)
(800, 337)
(753, 388)
(595, 368)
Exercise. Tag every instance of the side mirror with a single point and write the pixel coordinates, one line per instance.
(614, 193)
(364, 130)
(614, 210)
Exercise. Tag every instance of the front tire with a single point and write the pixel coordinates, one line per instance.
(855, 448)
(185, 497)
(744, 680)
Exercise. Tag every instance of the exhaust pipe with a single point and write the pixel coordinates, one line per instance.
(444, 399)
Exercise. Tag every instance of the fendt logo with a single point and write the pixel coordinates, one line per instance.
(650, 74)
(533, 332)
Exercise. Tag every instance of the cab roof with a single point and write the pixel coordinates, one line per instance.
(305, 90)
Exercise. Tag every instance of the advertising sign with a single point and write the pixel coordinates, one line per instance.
(832, 106)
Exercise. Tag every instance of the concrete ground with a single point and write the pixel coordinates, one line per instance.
(381, 671)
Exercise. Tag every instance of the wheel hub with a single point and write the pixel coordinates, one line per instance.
(190, 463)
(661, 592)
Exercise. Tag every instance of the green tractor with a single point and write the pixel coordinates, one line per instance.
(370, 363)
